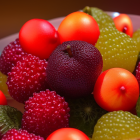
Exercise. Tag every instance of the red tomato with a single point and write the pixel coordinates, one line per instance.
(67, 134)
(3, 100)
(79, 26)
(39, 37)
(116, 89)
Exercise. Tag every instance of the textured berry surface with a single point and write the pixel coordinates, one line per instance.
(44, 113)
(117, 125)
(9, 118)
(74, 76)
(84, 113)
(103, 19)
(3, 85)
(112, 45)
(10, 55)
(136, 36)
(20, 134)
(27, 77)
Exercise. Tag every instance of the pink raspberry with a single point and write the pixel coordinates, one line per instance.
(44, 113)
(12, 53)
(26, 77)
(20, 134)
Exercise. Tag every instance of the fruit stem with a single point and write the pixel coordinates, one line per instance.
(125, 28)
(122, 88)
(68, 49)
(87, 10)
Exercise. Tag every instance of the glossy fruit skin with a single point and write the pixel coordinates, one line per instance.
(79, 26)
(68, 134)
(3, 100)
(116, 89)
(123, 21)
(39, 37)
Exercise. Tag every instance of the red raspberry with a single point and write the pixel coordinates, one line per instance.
(20, 134)
(44, 113)
(137, 72)
(12, 53)
(26, 77)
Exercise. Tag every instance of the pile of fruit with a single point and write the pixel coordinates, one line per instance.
(78, 82)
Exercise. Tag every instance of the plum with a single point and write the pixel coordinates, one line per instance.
(73, 68)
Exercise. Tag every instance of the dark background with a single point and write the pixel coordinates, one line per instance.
(14, 13)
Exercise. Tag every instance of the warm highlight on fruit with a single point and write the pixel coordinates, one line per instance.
(68, 134)
(39, 37)
(124, 24)
(79, 26)
(115, 91)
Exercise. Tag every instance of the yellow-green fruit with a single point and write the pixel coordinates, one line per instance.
(117, 125)
(117, 49)
(136, 36)
(102, 18)
(3, 85)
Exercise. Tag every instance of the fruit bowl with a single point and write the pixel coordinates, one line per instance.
(4, 41)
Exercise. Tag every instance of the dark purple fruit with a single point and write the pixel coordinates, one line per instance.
(73, 68)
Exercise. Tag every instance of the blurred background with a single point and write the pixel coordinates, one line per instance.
(14, 13)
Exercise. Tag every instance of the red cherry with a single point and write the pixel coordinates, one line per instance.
(124, 24)
(39, 37)
(3, 100)
(67, 134)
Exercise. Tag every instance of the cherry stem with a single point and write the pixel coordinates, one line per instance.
(87, 10)
(68, 49)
